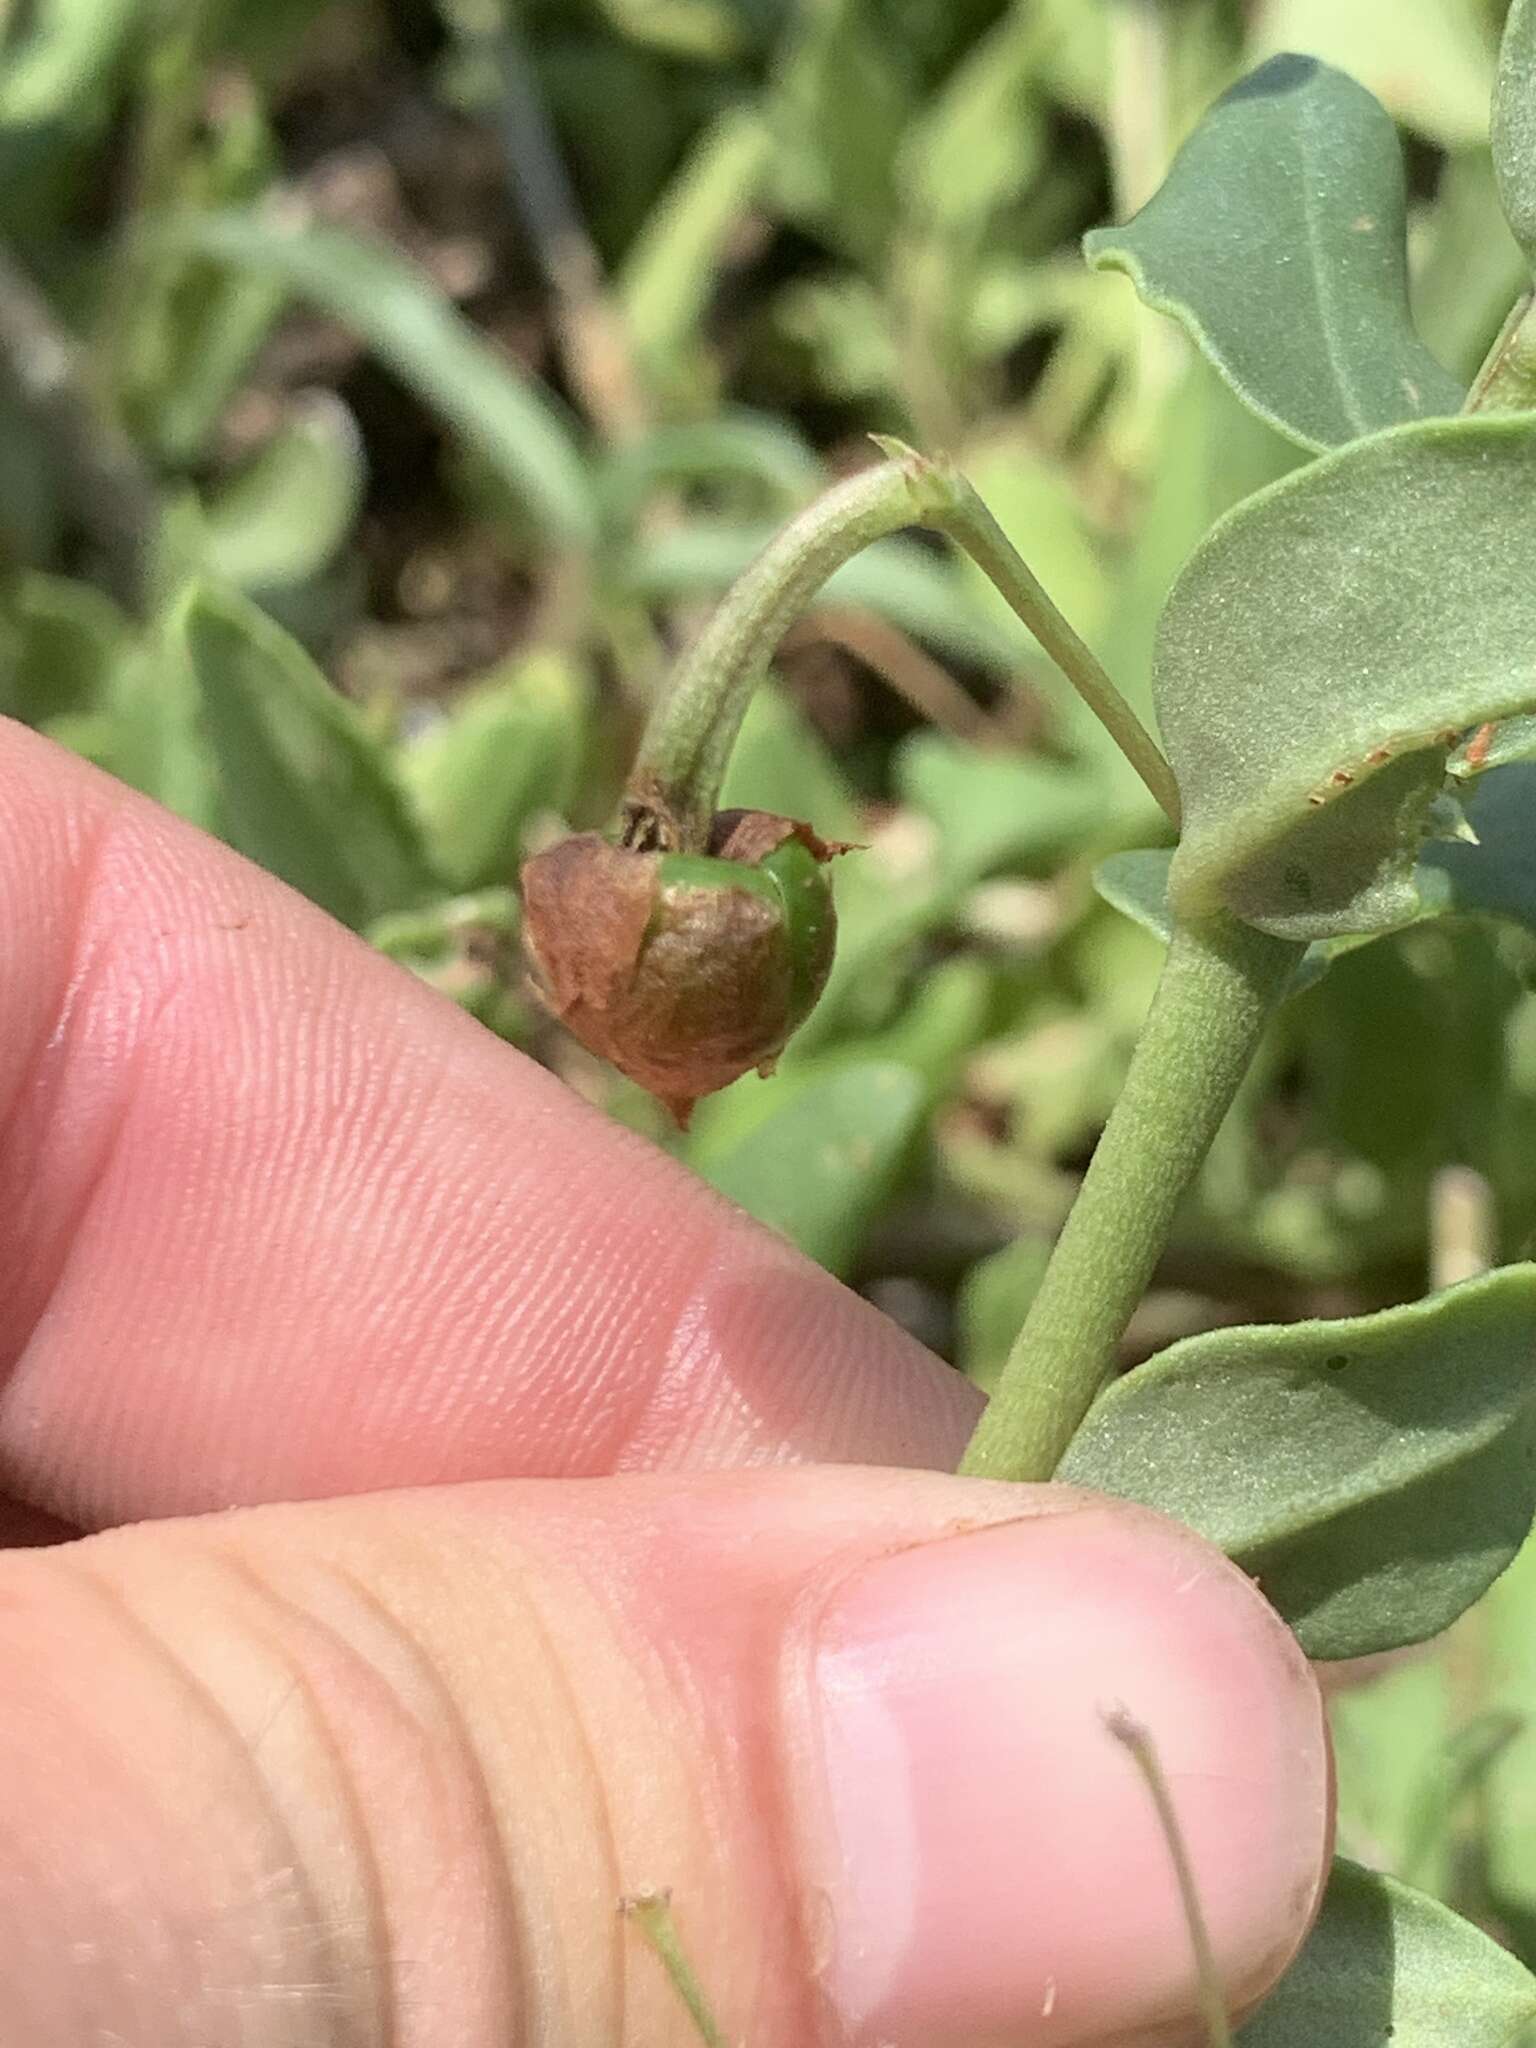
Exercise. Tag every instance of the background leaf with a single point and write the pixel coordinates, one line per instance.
(1470, 269)
(60, 642)
(842, 101)
(305, 789)
(821, 1167)
(1429, 62)
(1375, 1474)
(281, 517)
(780, 763)
(510, 747)
(402, 315)
(899, 579)
(734, 446)
(59, 56)
(1385, 1964)
(674, 263)
(1277, 241)
(1136, 884)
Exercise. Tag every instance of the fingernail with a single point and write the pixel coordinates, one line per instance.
(986, 1859)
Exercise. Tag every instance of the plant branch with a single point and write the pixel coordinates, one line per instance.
(1219, 986)
(682, 758)
(967, 522)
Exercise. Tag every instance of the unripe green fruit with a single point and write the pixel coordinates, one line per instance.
(684, 970)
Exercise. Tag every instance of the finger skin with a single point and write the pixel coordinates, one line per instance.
(383, 1769)
(281, 1222)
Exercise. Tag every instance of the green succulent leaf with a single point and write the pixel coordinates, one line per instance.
(304, 787)
(1384, 1963)
(1322, 653)
(1514, 124)
(1375, 1474)
(1277, 241)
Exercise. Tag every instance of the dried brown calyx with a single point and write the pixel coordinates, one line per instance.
(684, 970)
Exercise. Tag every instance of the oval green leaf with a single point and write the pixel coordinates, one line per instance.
(1319, 657)
(305, 789)
(1514, 124)
(1375, 1475)
(1385, 1964)
(1277, 242)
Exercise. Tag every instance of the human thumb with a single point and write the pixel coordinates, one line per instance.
(384, 1770)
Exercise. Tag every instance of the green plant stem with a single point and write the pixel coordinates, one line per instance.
(1219, 986)
(1507, 380)
(968, 523)
(681, 764)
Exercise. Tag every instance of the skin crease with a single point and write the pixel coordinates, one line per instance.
(280, 1224)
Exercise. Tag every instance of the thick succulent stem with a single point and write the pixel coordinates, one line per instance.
(1219, 987)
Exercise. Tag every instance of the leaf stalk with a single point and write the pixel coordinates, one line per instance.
(681, 765)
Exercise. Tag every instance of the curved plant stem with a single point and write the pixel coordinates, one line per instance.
(1219, 986)
(682, 759)
(967, 521)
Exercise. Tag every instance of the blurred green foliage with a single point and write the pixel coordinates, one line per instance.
(428, 366)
